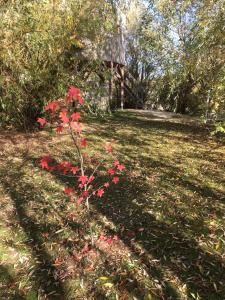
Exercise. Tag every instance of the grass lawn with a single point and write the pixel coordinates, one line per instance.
(168, 213)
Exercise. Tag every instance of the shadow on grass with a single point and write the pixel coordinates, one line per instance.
(8, 289)
(202, 273)
(173, 252)
(135, 288)
(23, 194)
(169, 170)
(145, 121)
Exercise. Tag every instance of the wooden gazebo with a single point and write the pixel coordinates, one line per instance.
(112, 53)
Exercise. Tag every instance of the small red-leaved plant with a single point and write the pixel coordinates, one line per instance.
(64, 115)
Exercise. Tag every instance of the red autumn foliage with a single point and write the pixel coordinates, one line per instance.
(108, 239)
(109, 148)
(59, 129)
(52, 105)
(83, 143)
(41, 121)
(75, 116)
(64, 115)
(106, 185)
(115, 179)
(68, 190)
(83, 179)
(100, 192)
(74, 170)
(120, 167)
(76, 126)
(111, 171)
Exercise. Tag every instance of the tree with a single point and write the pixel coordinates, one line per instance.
(40, 46)
(183, 49)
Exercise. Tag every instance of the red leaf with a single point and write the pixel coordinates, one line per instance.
(83, 179)
(115, 180)
(120, 167)
(106, 184)
(64, 167)
(52, 105)
(75, 116)
(116, 163)
(76, 126)
(83, 143)
(59, 129)
(100, 192)
(111, 171)
(63, 116)
(91, 178)
(109, 148)
(74, 170)
(109, 240)
(85, 194)
(44, 162)
(41, 121)
(73, 92)
(80, 100)
(68, 190)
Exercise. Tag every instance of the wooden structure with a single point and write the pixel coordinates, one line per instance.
(112, 54)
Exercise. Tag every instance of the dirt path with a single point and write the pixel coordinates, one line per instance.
(168, 116)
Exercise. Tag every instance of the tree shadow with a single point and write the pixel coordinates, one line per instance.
(23, 193)
(136, 289)
(165, 289)
(202, 272)
(143, 122)
(8, 287)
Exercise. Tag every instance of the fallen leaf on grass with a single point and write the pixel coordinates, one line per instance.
(108, 284)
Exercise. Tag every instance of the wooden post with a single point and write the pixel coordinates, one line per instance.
(122, 87)
(111, 83)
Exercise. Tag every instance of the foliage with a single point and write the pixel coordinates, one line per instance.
(65, 114)
(181, 44)
(175, 54)
(40, 52)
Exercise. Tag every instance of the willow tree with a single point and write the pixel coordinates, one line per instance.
(183, 42)
(39, 40)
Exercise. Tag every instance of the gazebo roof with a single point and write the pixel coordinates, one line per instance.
(111, 49)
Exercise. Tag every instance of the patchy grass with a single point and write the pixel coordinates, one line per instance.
(168, 213)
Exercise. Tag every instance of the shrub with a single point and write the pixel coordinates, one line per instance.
(92, 176)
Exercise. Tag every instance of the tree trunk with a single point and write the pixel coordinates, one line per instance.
(122, 87)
